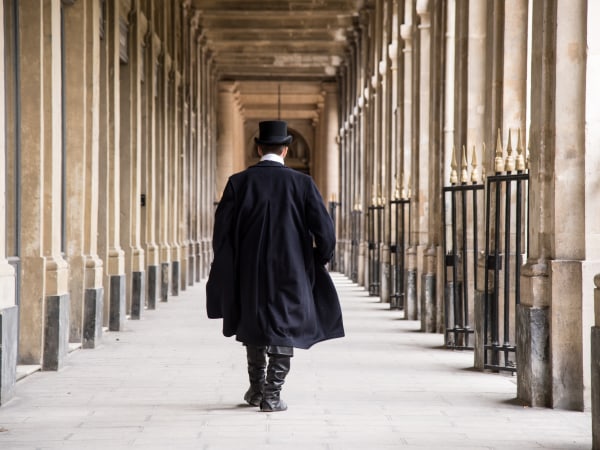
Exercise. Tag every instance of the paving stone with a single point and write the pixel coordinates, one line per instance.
(172, 381)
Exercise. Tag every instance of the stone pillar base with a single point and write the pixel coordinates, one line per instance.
(191, 273)
(92, 317)
(533, 356)
(56, 331)
(412, 309)
(152, 278)
(199, 262)
(479, 336)
(164, 282)
(175, 277)
(449, 321)
(183, 271)
(428, 310)
(595, 381)
(117, 306)
(384, 291)
(9, 325)
(138, 281)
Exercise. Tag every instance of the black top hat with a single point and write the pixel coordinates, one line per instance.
(273, 132)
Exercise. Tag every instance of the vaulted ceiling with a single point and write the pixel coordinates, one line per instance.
(276, 45)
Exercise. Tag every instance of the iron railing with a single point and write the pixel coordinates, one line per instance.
(355, 217)
(461, 250)
(400, 216)
(374, 233)
(504, 248)
(333, 213)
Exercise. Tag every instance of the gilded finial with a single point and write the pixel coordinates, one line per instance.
(509, 166)
(474, 176)
(483, 174)
(464, 176)
(409, 188)
(403, 193)
(397, 189)
(527, 156)
(499, 162)
(453, 165)
(520, 161)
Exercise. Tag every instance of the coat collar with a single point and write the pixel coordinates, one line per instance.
(269, 164)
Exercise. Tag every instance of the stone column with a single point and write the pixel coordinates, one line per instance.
(421, 171)
(172, 146)
(82, 39)
(330, 125)
(44, 313)
(593, 226)
(226, 141)
(475, 126)
(549, 318)
(9, 317)
(110, 173)
(130, 162)
(164, 170)
(410, 146)
(206, 197)
(595, 364)
(150, 157)
(385, 143)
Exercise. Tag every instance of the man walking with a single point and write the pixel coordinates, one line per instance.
(272, 238)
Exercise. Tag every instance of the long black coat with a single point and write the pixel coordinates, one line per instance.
(267, 281)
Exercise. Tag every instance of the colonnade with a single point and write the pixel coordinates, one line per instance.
(112, 165)
(426, 76)
(110, 129)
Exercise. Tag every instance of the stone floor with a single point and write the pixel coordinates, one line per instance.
(171, 381)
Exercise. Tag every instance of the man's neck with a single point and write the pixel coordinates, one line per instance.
(272, 157)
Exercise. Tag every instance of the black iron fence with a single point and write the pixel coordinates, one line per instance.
(355, 217)
(333, 263)
(503, 256)
(461, 250)
(374, 236)
(400, 222)
(505, 245)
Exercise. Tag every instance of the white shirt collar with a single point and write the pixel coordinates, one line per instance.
(272, 157)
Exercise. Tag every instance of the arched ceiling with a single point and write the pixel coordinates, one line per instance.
(269, 46)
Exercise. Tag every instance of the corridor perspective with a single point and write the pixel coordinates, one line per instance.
(172, 381)
(455, 144)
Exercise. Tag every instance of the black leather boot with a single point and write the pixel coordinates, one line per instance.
(278, 368)
(257, 363)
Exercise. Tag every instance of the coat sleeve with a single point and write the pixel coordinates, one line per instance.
(220, 290)
(320, 225)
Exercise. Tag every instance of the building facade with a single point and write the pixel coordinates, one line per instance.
(454, 141)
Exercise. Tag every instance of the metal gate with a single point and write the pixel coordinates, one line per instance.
(374, 235)
(333, 264)
(355, 217)
(461, 250)
(505, 244)
(399, 224)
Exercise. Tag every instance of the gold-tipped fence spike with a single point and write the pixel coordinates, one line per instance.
(464, 176)
(409, 194)
(474, 176)
(397, 189)
(403, 192)
(520, 161)
(453, 165)
(527, 156)
(509, 165)
(498, 161)
(483, 156)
